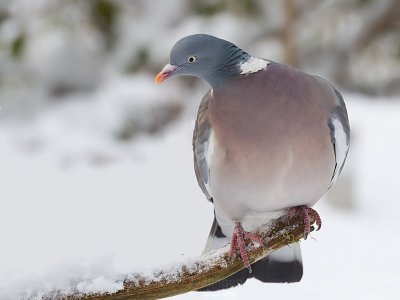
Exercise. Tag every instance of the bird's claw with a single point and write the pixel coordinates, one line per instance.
(306, 212)
(239, 237)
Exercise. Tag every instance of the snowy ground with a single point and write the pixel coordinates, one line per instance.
(90, 223)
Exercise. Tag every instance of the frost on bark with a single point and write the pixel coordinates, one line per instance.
(200, 272)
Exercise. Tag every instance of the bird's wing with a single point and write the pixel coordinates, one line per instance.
(202, 147)
(340, 135)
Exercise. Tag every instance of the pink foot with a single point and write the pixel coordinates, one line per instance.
(238, 241)
(306, 212)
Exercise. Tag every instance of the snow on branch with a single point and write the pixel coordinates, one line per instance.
(201, 272)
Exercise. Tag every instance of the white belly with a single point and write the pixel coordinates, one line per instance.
(255, 194)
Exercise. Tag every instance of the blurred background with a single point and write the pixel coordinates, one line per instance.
(95, 158)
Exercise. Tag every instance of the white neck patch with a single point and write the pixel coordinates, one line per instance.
(254, 64)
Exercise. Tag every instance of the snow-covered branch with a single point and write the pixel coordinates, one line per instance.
(203, 271)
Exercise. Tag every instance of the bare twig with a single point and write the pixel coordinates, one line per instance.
(387, 20)
(208, 269)
(289, 34)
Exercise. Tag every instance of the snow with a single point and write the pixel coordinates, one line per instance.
(100, 285)
(90, 225)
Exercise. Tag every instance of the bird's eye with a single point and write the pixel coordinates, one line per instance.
(191, 59)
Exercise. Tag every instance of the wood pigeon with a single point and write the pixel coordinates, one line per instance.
(269, 139)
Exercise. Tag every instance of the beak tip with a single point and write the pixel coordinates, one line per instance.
(158, 79)
(165, 73)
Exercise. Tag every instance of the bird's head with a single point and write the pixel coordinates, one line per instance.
(203, 56)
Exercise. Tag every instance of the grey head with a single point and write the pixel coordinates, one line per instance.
(205, 56)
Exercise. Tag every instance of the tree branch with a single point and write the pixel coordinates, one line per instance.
(208, 269)
(289, 34)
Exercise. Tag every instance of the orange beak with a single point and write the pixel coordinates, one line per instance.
(165, 73)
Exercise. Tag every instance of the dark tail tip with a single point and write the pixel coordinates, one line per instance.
(265, 270)
(268, 270)
(231, 281)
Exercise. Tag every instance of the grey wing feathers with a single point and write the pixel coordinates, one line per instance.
(216, 237)
(341, 113)
(340, 135)
(201, 135)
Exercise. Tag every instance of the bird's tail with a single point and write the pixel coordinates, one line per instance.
(283, 265)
